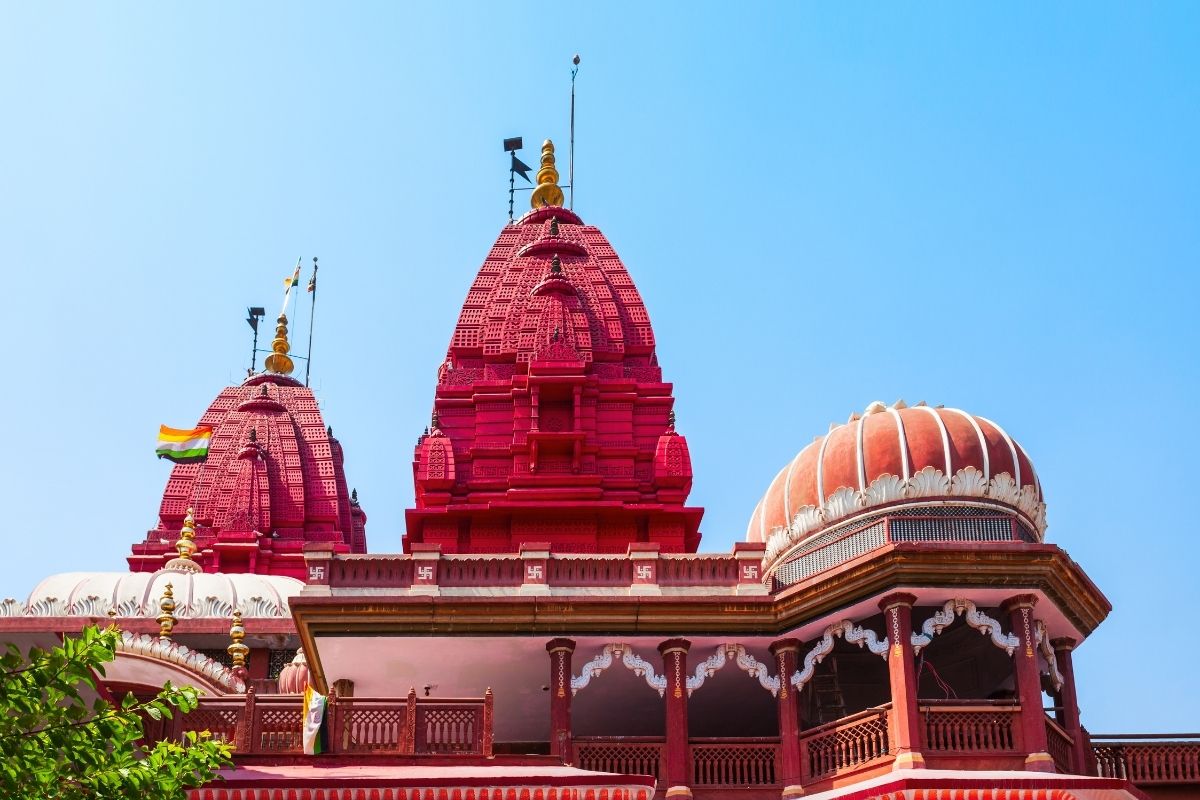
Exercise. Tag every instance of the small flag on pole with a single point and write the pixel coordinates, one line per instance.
(315, 733)
(183, 446)
(521, 168)
(288, 283)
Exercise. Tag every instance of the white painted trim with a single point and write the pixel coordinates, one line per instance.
(821, 469)
(983, 445)
(1012, 448)
(945, 436)
(860, 455)
(903, 443)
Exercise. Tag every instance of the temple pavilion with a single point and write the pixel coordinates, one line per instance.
(895, 623)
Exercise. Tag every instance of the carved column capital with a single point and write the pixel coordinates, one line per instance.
(1064, 644)
(555, 645)
(674, 645)
(1018, 601)
(783, 646)
(897, 599)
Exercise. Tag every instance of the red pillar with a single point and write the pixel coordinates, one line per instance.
(786, 653)
(904, 721)
(678, 753)
(1062, 654)
(1029, 684)
(560, 651)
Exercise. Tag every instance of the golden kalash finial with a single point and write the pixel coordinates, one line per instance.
(279, 362)
(166, 619)
(236, 649)
(186, 547)
(547, 192)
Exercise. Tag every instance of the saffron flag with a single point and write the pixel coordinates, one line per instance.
(315, 733)
(183, 446)
(288, 283)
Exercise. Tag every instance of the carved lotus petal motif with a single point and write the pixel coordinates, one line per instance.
(212, 607)
(129, 607)
(1028, 501)
(11, 607)
(968, 482)
(261, 607)
(1040, 520)
(806, 520)
(929, 482)
(1004, 489)
(887, 488)
(48, 607)
(842, 503)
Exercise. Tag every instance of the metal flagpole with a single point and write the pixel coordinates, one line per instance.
(312, 288)
(571, 174)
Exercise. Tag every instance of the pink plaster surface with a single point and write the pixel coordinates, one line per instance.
(457, 775)
(257, 503)
(552, 420)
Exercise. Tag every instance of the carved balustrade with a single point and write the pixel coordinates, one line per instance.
(845, 744)
(624, 755)
(981, 726)
(1060, 745)
(271, 724)
(735, 762)
(1150, 759)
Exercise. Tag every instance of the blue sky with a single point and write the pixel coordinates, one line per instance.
(991, 207)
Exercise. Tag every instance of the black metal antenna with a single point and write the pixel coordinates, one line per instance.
(312, 289)
(253, 315)
(571, 167)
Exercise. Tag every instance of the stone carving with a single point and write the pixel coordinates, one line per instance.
(1042, 639)
(855, 634)
(176, 653)
(11, 607)
(929, 482)
(619, 652)
(968, 482)
(744, 660)
(975, 618)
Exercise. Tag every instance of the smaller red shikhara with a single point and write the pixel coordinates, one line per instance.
(551, 419)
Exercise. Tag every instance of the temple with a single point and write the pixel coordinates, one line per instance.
(895, 623)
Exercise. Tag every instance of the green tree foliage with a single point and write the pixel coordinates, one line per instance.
(54, 745)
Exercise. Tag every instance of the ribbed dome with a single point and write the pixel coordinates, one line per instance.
(273, 481)
(893, 455)
(136, 594)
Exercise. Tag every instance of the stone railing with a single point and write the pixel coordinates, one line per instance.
(642, 569)
(271, 724)
(623, 755)
(734, 762)
(1060, 745)
(981, 726)
(1146, 759)
(845, 744)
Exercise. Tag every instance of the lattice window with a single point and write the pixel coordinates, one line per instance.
(276, 660)
(220, 656)
(952, 529)
(828, 555)
(733, 765)
(620, 757)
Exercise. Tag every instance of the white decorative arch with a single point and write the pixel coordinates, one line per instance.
(975, 618)
(175, 653)
(1042, 639)
(624, 654)
(744, 660)
(855, 634)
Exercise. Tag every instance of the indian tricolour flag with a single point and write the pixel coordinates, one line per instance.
(315, 732)
(184, 446)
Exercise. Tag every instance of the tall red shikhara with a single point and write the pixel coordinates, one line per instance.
(552, 423)
(273, 481)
